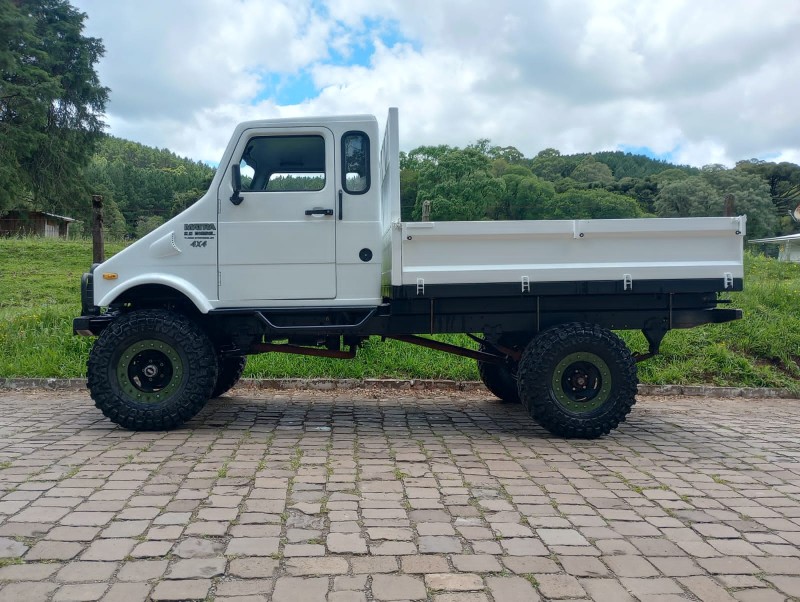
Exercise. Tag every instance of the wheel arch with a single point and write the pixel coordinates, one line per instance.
(151, 291)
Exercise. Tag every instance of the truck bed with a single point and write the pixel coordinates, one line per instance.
(530, 253)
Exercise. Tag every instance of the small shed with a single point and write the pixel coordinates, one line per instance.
(789, 249)
(34, 223)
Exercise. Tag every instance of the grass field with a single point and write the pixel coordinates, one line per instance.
(40, 294)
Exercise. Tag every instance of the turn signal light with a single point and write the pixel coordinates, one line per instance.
(109, 276)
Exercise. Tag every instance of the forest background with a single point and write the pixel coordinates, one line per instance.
(54, 155)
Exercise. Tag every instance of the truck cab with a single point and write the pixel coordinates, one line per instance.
(293, 214)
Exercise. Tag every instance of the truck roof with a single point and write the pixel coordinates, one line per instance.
(301, 121)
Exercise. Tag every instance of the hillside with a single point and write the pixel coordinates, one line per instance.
(760, 350)
(142, 185)
(481, 182)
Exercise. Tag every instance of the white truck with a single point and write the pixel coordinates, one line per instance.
(298, 247)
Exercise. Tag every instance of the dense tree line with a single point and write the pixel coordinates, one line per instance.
(51, 103)
(483, 181)
(53, 152)
(142, 186)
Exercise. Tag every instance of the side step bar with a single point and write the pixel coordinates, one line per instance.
(302, 329)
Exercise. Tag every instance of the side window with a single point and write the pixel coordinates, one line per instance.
(283, 163)
(355, 153)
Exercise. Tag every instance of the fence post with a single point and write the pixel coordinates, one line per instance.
(729, 205)
(426, 211)
(98, 249)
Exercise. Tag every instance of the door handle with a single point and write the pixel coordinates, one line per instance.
(319, 211)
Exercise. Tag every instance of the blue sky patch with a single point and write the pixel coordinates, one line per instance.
(287, 89)
(290, 89)
(361, 51)
(648, 152)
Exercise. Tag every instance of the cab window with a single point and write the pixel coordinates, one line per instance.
(355, 153)
(283, 164)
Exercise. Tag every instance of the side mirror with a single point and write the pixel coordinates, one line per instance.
(236, 182)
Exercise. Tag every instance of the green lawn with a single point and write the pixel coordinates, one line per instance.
(40, 294)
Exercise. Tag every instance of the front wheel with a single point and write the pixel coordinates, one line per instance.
(578, 380)
(151, 370)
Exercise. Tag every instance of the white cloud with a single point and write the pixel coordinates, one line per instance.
(710, 79)
(789, 156)
(702, 152)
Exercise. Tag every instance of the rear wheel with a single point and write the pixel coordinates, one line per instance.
(501, 379)
(578, 380)
(151, 370)
(231, 368)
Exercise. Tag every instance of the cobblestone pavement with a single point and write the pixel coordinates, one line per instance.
(349, 496)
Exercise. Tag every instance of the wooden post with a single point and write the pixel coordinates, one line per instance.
(98, 249)
(426, 211)
(729, 208)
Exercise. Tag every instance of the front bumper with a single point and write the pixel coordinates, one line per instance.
(91, 326)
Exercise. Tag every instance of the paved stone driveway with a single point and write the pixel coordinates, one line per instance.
(350, 496)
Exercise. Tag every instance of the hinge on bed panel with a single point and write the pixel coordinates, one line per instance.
(526, 284)
(728, 277)
(627, 282)
(219, 278)
(420, 286)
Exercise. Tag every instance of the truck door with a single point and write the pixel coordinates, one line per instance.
(279, 241)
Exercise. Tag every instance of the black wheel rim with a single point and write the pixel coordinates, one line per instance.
(149, 371)
(581, 382)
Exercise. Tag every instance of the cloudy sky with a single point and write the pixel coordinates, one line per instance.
(695, 81)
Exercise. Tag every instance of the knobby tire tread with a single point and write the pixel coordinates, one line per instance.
(231, 369)
(499, 380)
(200, 370)
(534, 379)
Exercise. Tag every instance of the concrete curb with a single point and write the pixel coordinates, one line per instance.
(717, 392)
(332, 384)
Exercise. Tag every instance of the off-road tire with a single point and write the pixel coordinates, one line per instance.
(231, 368)
(587, 351)
(133, 340)
(500, 379)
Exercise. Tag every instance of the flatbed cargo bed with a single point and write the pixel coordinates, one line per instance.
(629, 250)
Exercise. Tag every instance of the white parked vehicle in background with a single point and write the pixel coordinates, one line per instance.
(298, 247)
